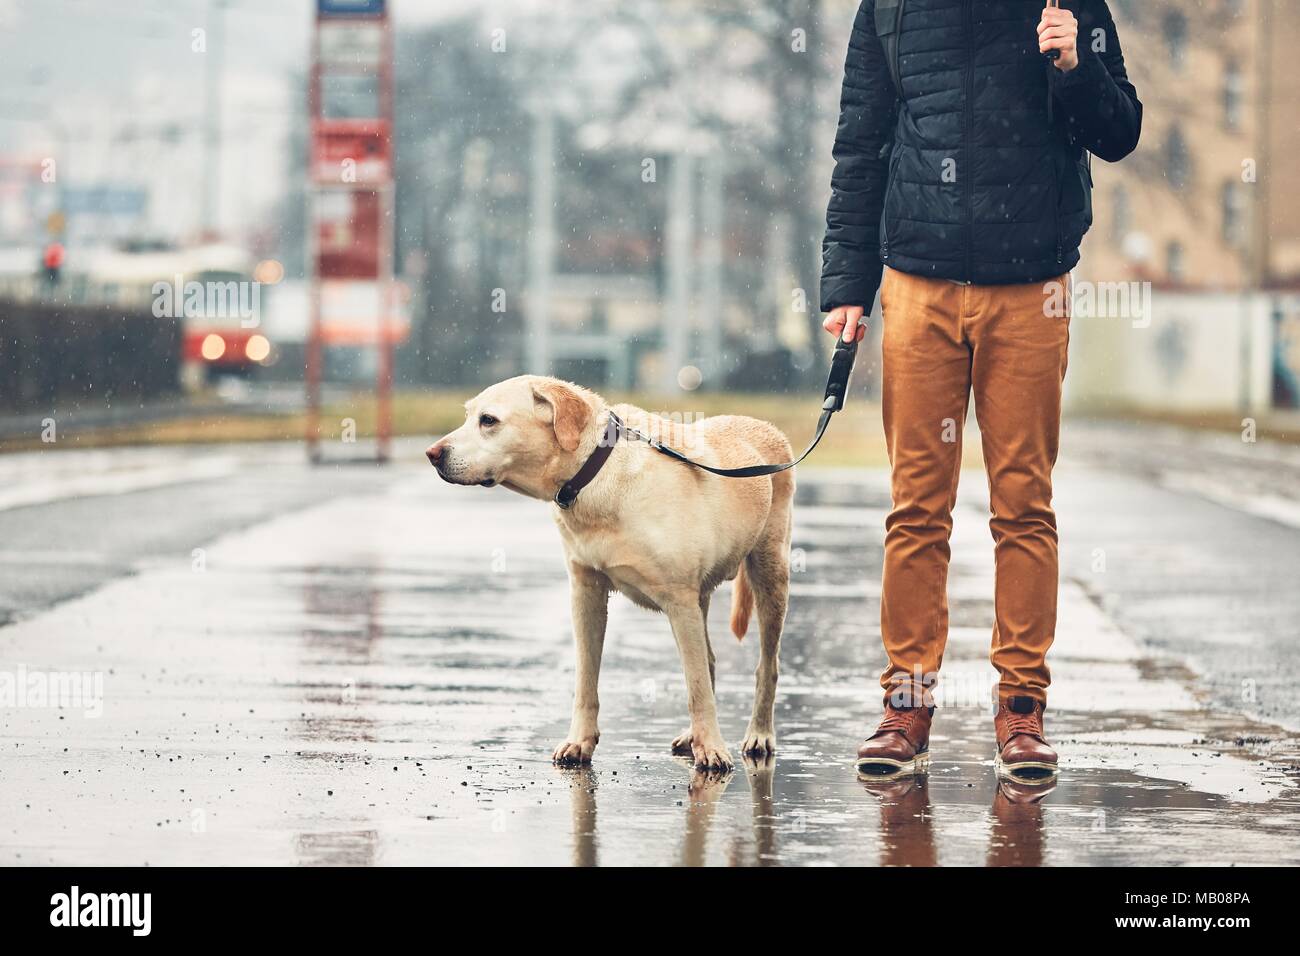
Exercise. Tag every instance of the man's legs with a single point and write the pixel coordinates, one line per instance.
(1019, 346)
(926, 387)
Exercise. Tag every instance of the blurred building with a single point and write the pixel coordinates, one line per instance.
(1193, 261)
(1208, 200)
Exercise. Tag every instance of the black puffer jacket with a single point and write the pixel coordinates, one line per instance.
(978, 172)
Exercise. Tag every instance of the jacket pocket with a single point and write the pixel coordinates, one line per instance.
(1073, 204)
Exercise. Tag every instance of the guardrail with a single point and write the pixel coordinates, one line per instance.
(53, 354)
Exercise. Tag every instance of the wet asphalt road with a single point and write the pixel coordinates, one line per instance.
(364, 665)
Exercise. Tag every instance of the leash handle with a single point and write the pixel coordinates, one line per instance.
(837, 384)
(1053, 55)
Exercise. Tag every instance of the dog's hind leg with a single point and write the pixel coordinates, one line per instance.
(689, 628)
(768, 566)
(589, 592)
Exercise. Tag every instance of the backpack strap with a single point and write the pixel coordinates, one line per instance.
(889, 24)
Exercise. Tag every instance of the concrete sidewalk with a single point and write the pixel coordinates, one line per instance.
(380, 678)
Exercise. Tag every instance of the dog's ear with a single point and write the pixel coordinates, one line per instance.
(568, 411)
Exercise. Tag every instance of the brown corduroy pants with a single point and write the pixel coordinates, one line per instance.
(1006, 345)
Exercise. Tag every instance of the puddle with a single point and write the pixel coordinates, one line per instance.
(382, 680)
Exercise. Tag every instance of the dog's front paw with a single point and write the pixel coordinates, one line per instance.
(758, 741)
(575, 751)
(711, 755)
(681, 744)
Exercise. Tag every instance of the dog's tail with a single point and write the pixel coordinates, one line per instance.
(742, 603)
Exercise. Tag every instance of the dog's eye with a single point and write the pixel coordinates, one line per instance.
(486, 421)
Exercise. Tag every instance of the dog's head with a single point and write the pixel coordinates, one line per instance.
(521, 433)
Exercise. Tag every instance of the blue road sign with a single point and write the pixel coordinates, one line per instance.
(105, 200)
(349, 8)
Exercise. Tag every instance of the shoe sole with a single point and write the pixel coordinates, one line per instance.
(885, 767)
(1025, 771)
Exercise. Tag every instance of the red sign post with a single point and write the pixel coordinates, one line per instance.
(353, 293)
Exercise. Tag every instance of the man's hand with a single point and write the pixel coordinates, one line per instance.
(846, 322)
(1058, 30)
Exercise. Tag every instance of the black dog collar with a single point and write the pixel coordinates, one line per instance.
(614, 430)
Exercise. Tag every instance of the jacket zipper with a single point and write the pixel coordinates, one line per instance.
(1060, 194)
(969, 172)
(884, 205)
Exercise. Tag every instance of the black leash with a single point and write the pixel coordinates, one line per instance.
(837, 387)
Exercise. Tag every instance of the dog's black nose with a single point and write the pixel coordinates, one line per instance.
(434, 453)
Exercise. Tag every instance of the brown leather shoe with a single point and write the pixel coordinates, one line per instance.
(1022, 749)
(901, 744)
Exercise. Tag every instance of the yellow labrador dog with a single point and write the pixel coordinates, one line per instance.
(661, 532)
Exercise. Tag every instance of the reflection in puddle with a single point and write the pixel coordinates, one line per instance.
(337, 848)
(342, 611)
(904, 831)
(906, 821)
(354, 729)
(582, 797)
(1017, 838)
(703, 793)
(761, 772)
(342, 624)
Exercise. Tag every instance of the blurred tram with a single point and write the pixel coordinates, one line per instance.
(211, 289)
